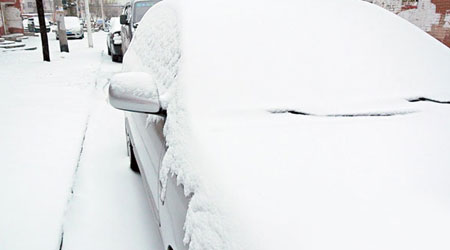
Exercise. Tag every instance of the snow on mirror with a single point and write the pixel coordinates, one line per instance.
(134, 91)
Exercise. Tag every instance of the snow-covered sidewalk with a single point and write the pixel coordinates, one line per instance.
(64, 173)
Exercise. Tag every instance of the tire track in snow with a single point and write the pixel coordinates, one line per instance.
(74, 177)
(98, 76)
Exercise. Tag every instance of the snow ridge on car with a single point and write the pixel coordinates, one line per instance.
(157, 35)
(156, 49)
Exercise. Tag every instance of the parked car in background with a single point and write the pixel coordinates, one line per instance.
(33, 22)
(83, 24)
(99, 24)
(114, 40)
(132, 14)
(253, 128)
(37, 26)
(107, 26)
(25, 24)
(74, 28)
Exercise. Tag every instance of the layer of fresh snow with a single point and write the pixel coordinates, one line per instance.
(109, 209)
(281, 181)
(155, 49)
(72, 22)
(137, 84)
(115, 25)
(58, 135)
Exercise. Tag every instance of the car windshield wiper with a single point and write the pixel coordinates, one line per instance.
(425, 99)
(368, 114)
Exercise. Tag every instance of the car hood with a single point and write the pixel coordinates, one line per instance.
(311, 182)
(303, 135)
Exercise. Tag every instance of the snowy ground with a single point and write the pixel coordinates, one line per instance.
(64, 178)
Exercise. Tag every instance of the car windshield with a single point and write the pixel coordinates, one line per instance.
(140, 8)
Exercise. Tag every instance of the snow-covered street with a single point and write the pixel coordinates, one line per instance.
(64, 176)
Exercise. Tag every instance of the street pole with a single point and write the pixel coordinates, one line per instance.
(103, 14)
(78, 8)
(43, 30)
(59, 14)
(88, 20)
(82, 12)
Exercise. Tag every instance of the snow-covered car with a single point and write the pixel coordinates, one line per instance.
(114, 40)
(25, 24)
(132, 14)
(74, 29)
(311, 124)
(35, 22)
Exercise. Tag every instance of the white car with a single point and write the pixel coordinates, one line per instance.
(37, 25)
(74, 28)
(35, 21)
(310, 124)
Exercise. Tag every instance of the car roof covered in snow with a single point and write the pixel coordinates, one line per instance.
(115, 24)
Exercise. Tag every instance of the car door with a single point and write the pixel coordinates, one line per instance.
(146, 135)
(149, 145)
(172, 205)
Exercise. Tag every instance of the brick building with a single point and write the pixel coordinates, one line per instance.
(29, 6)
(10, 17)
(441, 30)
(432, 16)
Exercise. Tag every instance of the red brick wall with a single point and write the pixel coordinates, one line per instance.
(441, 31)
(12, 17)
(2, 29)
(421, 14)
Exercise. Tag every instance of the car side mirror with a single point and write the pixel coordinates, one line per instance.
(135, 92)
(123, 19)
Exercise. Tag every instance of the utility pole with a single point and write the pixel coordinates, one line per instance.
(82, 12)
(78, 8)
(103, 14)
(2, 14)
(59, 15)
(88, 20)
(43, 30)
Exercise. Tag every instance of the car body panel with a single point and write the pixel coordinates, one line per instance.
(146, 136)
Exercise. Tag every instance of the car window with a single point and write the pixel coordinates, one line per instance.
(126, 12)
(140, 8)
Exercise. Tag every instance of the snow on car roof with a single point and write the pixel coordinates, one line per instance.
(115, 24)
(289, 121)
